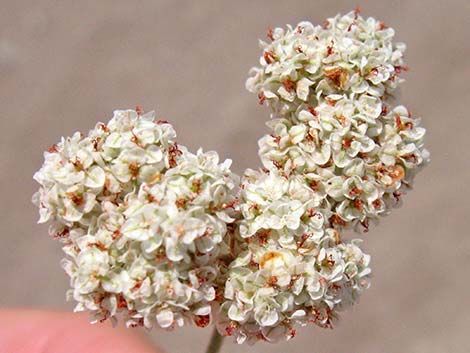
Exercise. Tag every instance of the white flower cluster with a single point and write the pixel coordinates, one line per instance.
(338, 156)
(358, 152)
(143, 221)
(356, 155)
(291, 268)
(346, 55)
(163, 237)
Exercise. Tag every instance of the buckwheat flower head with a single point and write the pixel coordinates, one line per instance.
(164, 237)
(339, 155)
(291, 269)
(329, 88)
(143, 221)
(358, 156)
(347, 54)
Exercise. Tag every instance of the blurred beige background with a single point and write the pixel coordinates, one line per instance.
(66, 64)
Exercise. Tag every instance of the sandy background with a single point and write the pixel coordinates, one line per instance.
(66, 64)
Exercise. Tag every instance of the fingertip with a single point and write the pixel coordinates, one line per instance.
(30, 331)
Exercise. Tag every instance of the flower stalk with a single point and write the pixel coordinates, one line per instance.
(215, 343)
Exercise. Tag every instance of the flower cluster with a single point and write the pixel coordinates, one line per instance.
(358, 156)
(346, 55)
(142, 220)
(291, 268)
(339, 155)
(163, 237)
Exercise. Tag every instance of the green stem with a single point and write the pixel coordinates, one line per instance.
(215, 343)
